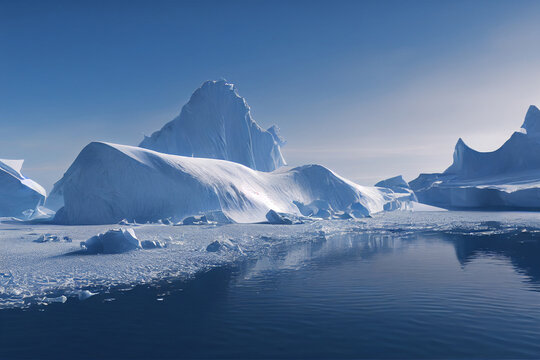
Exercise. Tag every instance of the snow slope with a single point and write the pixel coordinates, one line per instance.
(17, 193)
(108, 182)
(507, 178)
(216, 123)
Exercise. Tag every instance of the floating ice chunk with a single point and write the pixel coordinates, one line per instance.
(223, 244)
(112, 242)
(47, 238)
(85, 294)
(152, 244)
(60, 299)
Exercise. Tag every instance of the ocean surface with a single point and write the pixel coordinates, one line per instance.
(409, 286)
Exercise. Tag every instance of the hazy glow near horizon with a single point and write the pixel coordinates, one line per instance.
(369, 89)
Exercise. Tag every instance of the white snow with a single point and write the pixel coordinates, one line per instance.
(216, 123)
(18, 194)
(108, 183)
(507, 178)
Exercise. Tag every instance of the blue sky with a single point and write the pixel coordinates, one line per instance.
(369, 89)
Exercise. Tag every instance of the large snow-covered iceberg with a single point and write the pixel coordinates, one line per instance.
(107, 183)
(507, 178)
(18, 194)
(216, 123)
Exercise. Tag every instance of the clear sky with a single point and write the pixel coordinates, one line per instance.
(369, 89)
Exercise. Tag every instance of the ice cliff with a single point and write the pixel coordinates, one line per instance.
(216, 123)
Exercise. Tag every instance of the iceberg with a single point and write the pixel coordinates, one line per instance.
(18, 195)
(109, 182)
(399, 186)
(216, 123)
(505, 179)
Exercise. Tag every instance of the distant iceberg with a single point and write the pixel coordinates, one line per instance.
(505, 179)
(108, 183)
(399, 186)
(216, 123)
(19, 196)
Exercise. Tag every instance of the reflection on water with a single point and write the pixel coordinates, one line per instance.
(521, 248)
(379, 294)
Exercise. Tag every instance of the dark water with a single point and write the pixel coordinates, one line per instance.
(350, 296)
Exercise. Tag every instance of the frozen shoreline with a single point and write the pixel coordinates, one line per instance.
(40, 272)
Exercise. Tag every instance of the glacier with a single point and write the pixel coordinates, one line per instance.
(20, 197)
(216, 123)
(108, 183)
(505, 179)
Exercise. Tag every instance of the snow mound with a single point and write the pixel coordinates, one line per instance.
(18, 194)
(505, 179)
(216, 123)
(108, 183)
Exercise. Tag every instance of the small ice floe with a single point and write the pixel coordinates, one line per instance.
(85, 294)
(46, 238)
(43, 238)
(223, 244)
(60, 299)
(152, 244)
